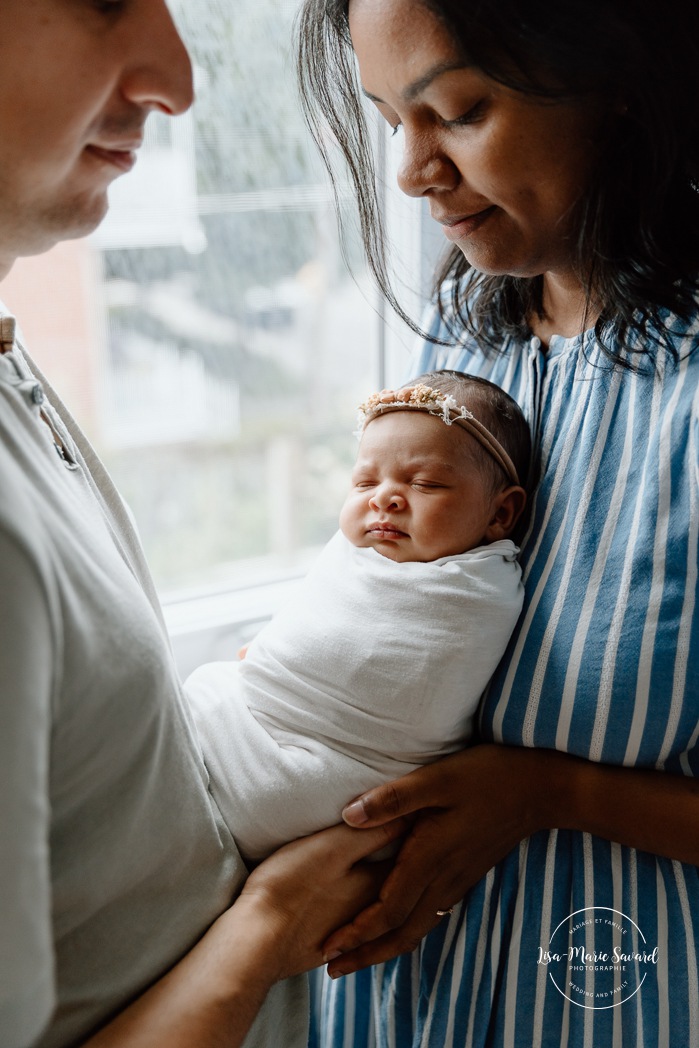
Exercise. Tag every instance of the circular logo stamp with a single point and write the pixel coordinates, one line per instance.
(598, 957)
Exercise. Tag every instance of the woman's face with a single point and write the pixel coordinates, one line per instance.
(501, 171)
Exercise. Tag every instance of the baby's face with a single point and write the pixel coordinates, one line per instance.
(417, 492)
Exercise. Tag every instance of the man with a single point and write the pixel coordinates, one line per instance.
(80, 78)
(114, 861)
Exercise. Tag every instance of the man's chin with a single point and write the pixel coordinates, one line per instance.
(33, 227)
(71, 221)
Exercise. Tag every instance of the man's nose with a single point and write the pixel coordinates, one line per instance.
(158, 70)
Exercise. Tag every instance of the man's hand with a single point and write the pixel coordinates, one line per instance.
(275, 928)
(310, 887)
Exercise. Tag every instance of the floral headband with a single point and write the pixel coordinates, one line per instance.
(434, 402)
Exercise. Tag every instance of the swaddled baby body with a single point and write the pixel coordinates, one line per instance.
(377, 664)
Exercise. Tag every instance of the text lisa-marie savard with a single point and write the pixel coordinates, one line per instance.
(595, 957)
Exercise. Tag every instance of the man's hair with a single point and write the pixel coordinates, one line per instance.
(637, 248)
(498, 412)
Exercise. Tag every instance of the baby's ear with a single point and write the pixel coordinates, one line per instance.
(507, 507)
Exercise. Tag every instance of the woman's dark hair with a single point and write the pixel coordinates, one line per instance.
(637, 249)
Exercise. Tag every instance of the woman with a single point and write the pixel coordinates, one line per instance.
(558, 146)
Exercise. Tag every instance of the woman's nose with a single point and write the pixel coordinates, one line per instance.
(424, 165)
(158, 73)
(387, 497)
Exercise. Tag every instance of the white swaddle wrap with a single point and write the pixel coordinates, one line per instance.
(372, 669)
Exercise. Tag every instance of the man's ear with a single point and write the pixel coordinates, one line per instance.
(506, 509)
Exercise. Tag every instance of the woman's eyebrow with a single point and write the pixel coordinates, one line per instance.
(411, 92)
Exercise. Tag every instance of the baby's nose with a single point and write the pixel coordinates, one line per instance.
(387, 496)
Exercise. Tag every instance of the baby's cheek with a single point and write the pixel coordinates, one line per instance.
(349, 521)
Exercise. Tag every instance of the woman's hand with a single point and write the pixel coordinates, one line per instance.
(473, 808)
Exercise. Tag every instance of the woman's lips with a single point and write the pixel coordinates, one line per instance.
(458, 228)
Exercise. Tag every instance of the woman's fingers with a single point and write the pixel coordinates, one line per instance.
(437, 785)
(443, 784)
(357, 944)
(342, 844)
(371, 925)
(384, 930)
(403, 940)
(394, 799)
(424, 880)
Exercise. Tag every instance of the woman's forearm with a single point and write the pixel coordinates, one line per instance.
(505, 793)
(645, 809)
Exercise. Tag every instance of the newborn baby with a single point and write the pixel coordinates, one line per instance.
(377, 664)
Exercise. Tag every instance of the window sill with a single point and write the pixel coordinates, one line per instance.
(212, 627)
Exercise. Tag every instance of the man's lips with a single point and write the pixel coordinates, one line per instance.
(122, 156)
(456, 227)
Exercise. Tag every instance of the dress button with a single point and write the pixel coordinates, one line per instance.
(37, 394)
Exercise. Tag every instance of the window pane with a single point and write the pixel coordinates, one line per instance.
(208, 336)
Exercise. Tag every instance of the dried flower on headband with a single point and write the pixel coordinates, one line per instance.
(442, 405)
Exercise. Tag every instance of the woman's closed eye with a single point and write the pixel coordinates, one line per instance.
(109, 7)
(471, 116)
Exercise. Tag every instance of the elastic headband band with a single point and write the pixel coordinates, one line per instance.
(434, 402)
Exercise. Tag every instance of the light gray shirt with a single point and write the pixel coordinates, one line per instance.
(114, 857)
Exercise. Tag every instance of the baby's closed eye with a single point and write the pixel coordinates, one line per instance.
(429, 485)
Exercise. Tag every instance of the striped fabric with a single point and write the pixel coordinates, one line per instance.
(604, 664)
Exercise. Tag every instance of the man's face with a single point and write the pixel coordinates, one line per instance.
(79, 78)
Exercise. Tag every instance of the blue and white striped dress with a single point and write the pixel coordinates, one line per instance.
(604, 664)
